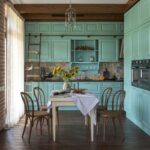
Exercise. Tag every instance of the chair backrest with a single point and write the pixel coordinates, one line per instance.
(28, 103)
(105, 96)
(39, 96)
(118, 100)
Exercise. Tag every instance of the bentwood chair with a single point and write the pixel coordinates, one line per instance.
(32, 115)
(115, 112)
(41, 101)
(103, 103)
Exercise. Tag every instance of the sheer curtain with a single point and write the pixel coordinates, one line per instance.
(15, 67)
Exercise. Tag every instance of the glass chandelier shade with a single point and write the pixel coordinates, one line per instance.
(70, 17)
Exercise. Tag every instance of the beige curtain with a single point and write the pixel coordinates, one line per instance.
(15, 67)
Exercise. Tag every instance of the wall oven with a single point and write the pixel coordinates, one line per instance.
(141, 73)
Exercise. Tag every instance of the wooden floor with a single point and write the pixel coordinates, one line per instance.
(73, 135)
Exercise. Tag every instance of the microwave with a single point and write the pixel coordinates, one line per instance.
(141, 74)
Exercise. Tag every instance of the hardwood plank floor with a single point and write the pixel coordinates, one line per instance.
(73, 135)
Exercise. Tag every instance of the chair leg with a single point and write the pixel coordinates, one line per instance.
(26, 121)
(37, 123)
(48, 124)
(105, 120)
(40, 124)
(121, 125)
(31, 125)
(114, 125)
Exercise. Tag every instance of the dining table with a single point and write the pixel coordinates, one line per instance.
(86, 103)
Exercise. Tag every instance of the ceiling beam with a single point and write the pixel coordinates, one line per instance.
(85, 12)
(82, 17)
(61, 8)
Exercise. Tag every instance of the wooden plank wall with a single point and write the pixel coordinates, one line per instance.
(2, 65)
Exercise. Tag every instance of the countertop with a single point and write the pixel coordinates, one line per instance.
(87, 80)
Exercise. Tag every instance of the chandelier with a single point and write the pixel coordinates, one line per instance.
(70, 17)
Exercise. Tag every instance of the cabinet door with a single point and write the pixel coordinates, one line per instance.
(109, 28)
(61, 50)
(108, 50)
(91, 28)
(45, 27)
(91, 87)
(145, 11)
(144, 42)
(127, 21)
(58, 85)
(59, 28)
(46, 50)
(31, 27)
(79, 29)
(135, 45)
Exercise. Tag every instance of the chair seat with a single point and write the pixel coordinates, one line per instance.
(110, 113)
(40, 113)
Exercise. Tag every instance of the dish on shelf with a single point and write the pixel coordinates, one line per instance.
(84, 48)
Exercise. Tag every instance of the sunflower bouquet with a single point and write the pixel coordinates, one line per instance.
(65, 74)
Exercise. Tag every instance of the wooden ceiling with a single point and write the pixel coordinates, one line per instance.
(85, 12)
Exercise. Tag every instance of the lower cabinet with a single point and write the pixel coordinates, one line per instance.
(139, 112)
(93, 87)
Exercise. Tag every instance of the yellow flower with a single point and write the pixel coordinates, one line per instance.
(65, 74)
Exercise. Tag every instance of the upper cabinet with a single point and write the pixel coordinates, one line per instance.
(144, 11)
(82, 28)
(84, 50)
(61, 50)
(132, 18)
(108, 49)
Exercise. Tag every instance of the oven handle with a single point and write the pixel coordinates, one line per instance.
(141, 73)
(132, 75)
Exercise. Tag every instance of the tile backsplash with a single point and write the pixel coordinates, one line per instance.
(115, 69)
(33, 70)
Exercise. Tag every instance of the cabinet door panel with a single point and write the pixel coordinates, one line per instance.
(92, 87)
(46, 51)
(135, 45)
(145, 11)
(61, 50)
(31, 27)
(144, 42)
(109, 28)
(59, 28)
(108, 50)
(45, 27)
(91, 28)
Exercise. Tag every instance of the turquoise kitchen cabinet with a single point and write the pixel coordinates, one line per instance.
(61, 50)
(32, 48)
(108, 49)
(144, 41)
(91, 28)
(57, 85)
(109, 28)
(132, 19)
(45, 27)
(31, 27)
(135, 44)
(82, 28)
(46, 50)
(59, 28)
(79, 29)
(29, 90)
(144, 11)
(84, 50)
(93, 87)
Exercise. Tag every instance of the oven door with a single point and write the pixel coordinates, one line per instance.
(136, 74)
(145, 78)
